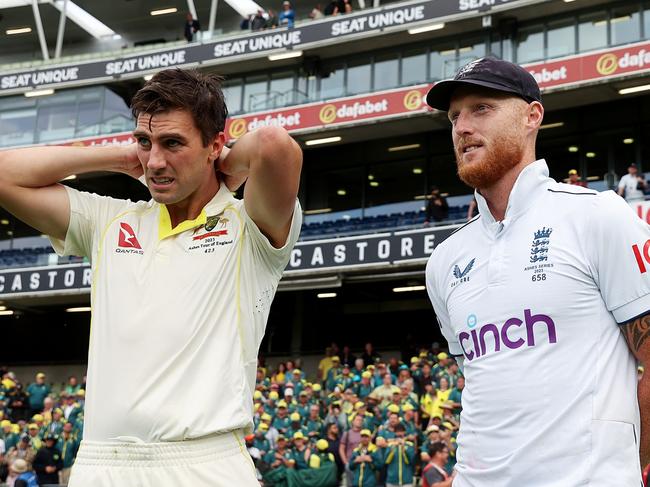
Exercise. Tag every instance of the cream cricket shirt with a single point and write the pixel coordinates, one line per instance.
(532, 303)
(177, 315)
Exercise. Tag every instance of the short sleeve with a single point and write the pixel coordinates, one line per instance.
(275, 259)
(618, 247)
(440, 308)
(433, 476)
(621, 183)
(89, 213)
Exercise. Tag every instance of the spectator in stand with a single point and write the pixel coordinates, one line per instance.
(333, 442)
(22, 450)
(73, 386)
(21, 474)
(434, 473)
(273, 21)
(347, 7)
(245, 23)
(17, 403)
(437, 207)
(325, 365)
(68, 445)
(287, 16)
(279, 377)
(332, 8)
(399, 457)
(36, 393)
(259, 21)
(456, 394)
(632, 185)
(363, 462)
(349, 441)
(192, 26)
(473, 207)
(384, 393)
(317, 12)
(575, 180)
(47, 462)
(369, 355)
(347, 358)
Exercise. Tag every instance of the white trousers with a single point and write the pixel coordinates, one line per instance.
(215, 461)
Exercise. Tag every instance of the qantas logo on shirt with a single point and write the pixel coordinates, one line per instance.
(127, 242)
(641, 260)
(514, 333)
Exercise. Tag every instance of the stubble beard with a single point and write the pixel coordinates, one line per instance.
(498, 158)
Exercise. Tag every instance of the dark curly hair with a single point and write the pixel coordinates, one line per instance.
(185, 89)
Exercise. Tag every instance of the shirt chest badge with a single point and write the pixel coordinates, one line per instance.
(462, 275)
(538, 260)
(217, 231)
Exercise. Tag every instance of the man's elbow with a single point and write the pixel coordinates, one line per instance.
(276, 143)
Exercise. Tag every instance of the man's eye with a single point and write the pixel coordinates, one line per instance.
(173, 143)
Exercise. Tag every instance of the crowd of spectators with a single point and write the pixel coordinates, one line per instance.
(270, 19)
(40, 430)
(375, 421)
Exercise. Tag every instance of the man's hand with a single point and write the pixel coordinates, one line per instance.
(233, 180)
(50, 469)
(130, 163)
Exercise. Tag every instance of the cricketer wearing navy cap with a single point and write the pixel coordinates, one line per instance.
(547, 279)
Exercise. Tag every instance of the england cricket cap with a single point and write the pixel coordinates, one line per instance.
(488, 72)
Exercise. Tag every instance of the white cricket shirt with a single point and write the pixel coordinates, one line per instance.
(177, 315)
(532, 303)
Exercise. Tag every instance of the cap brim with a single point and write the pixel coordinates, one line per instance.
(440, 95)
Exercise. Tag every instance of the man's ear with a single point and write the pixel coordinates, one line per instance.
(535, 114)
(216, 146)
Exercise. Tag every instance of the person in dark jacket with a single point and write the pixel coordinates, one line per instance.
(437, 208)
(192, 26)
(48, 462)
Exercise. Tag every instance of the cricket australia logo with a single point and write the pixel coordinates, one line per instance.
(462, 276)
(539, 250)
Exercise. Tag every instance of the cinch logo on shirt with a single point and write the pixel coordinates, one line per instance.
(646, 255)
(127, 240)
(474, 344)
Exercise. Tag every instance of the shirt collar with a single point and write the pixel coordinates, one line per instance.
(220, 200)
(523, 193)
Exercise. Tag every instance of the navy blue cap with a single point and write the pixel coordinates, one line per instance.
(488, 72)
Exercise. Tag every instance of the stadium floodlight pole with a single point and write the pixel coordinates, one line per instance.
(59, 35)
(39, 28)
(213, 16)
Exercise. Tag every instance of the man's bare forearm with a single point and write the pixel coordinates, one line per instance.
(636, 334)
(36, 167)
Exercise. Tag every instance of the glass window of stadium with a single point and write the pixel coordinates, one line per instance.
(530, 44)
(625, 24)
(88, 116)
(232, 92)
(442, 61)
(646, 19)
(116, 115)
(560, 38)
(358, 76)
(57, 117)
(332, 80)
(307, 88)
(470, 50)
(592, 31)
(414, 66)
(385, 71)
(281, 90)
(256, 93)
(17, 121)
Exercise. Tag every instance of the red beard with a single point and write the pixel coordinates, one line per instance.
(496, 161)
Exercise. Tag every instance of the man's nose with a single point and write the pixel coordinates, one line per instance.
(156, 158)
(462, 125)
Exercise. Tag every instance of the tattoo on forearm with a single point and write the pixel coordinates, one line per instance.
(636, 332)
